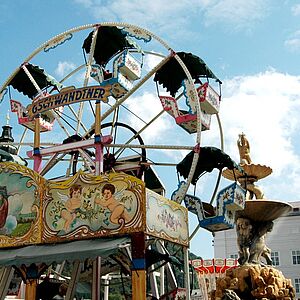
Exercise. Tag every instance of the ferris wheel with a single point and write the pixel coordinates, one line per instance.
(115, 98)
(110, 96)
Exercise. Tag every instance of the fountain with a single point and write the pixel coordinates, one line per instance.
(254, 278)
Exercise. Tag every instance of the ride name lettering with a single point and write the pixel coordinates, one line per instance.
(68, 97)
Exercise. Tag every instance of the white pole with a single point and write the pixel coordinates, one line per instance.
(106, 287)
(186, 272)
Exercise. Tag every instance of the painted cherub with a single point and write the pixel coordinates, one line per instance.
(72, 206)
(108, 200)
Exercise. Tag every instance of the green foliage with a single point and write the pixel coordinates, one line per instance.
(21, 229)
(115, 297)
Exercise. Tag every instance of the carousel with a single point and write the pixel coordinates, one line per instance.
(82, 157)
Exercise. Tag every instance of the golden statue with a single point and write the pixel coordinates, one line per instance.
(244, 149)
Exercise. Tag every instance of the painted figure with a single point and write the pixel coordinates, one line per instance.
(117, 209)
(3, 206)
(244, 149)
(72, 206)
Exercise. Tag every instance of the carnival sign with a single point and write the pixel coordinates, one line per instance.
(166, 219)
(68, 97)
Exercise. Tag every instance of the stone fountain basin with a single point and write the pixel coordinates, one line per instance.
(263, 210)
(254, 172)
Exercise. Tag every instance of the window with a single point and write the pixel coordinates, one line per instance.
(296, 257)
(297, 285)
(235, 256)
(275, 258)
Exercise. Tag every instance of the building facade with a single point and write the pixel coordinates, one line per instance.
(284, 241)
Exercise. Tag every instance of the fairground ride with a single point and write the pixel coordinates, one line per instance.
(79, 182)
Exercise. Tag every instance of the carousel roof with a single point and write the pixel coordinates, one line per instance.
(209, 158)
(171, 74)
(110, 40)
(22, 83)
(61, 251)
(6, 156)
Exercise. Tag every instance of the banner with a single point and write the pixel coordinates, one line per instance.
(68, 97)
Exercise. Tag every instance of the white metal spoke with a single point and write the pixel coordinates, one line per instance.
(87, 76)
(21, 140)
(158, 147)
(146, 125)
(129, 93)
(57, 118)
(55, 158)
(76, 116)
(88, 161)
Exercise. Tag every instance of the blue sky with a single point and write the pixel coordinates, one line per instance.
(252, 46)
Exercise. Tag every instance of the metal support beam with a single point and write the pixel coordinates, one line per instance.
(6, 274)
(96, 283)
(74, 280)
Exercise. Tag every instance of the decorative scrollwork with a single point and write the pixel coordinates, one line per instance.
(137, 33)
(57, 41)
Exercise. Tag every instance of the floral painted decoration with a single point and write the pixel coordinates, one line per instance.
(137, 33)
(57, 41)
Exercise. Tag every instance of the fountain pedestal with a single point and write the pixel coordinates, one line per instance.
(254, 279)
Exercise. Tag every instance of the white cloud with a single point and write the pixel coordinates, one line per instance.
(265, 107)
(163, 131)
(239, 14)
(293, 43)
(86, 3)
(64, 67)
(151, 61)
(146, 106)
(124, 10)
(21, 203)
(296, 9)
(175, 17)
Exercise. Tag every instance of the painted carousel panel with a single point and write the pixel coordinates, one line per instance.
(88, 206)
(209, 99)
(119, 85)
(232, 196)
(184, 118)
(21, 191)
(166, 219)
(46, 119)
(128, 66)
(217, 223)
